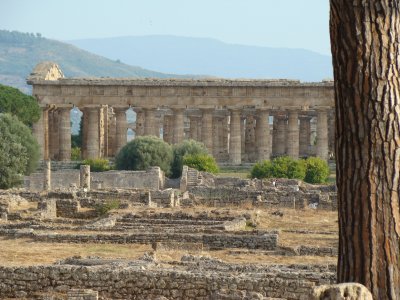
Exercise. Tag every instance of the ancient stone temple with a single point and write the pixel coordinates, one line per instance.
(238, 120)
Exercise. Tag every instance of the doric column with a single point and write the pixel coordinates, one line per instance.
(242, 134)
(92, 132)
(250, 141)
(332, 132)
(112, 135)
(235, 141)
(65, 134)
(150, 124)
(39, 132)
(121, 128)
(305, 136)
(218, 136)
(54, 140)
(322, 134)
(47, 176)
(167, 129)
(193, 128)
(179, 133)
(279, 135)
(206, 130)
(139, 122)
(293, 134)
(262, 135)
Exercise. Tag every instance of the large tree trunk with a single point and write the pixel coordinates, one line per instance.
(365, 48)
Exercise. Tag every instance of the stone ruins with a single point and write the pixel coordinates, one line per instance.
(70, 233)
(205, 214)
(231, 117)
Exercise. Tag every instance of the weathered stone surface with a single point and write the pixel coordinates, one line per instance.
(344, 291)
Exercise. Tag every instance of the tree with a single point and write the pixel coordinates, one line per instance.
(19, 151)
(17, 103)
(187, 147)
(366, 59)
(144, 152)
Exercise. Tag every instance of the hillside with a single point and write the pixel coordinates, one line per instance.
(20, 52)
(184, 55)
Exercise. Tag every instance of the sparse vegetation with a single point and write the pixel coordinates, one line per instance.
(75, 153)
(104, 208)
(97, 164)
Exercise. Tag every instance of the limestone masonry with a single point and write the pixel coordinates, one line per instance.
(232, 118)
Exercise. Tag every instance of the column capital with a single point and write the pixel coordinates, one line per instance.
(322, 108)
(120, 108)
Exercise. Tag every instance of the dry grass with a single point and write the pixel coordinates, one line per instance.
(24, 252)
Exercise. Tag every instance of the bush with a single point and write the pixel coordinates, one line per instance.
(312, 170)
(105, 207)
(262, 169)
(144, 152)
(187, 147)
(97, 164)
(201, 162)
(317, 170)
(281, 167)
(19, 151)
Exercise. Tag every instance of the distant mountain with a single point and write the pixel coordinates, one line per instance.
(20, 52)
(183, 55)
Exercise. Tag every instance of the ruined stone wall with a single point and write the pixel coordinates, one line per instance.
(151, 179)
(263, 241)
(115, 282)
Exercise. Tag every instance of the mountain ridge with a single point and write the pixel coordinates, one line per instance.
(20, 52)
(180, 55)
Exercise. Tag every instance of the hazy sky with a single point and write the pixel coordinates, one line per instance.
(274, 23)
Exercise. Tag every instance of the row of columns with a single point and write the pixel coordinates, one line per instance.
(227, 136)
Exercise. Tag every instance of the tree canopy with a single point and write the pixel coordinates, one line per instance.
(19, 104)
(144, 152)
(19, 151)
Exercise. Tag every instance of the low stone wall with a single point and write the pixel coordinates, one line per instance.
(144, 281)
(152, 178)
(214, 241)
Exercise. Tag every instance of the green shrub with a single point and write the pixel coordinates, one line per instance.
(262, 169)
(75, 153)
(317, 170)
(144, 152)
(97, 164)
(280, 167)
(187, 147)
(201, 162)
(105, 207)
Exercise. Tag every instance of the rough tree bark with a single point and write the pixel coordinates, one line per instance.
(365, 48)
